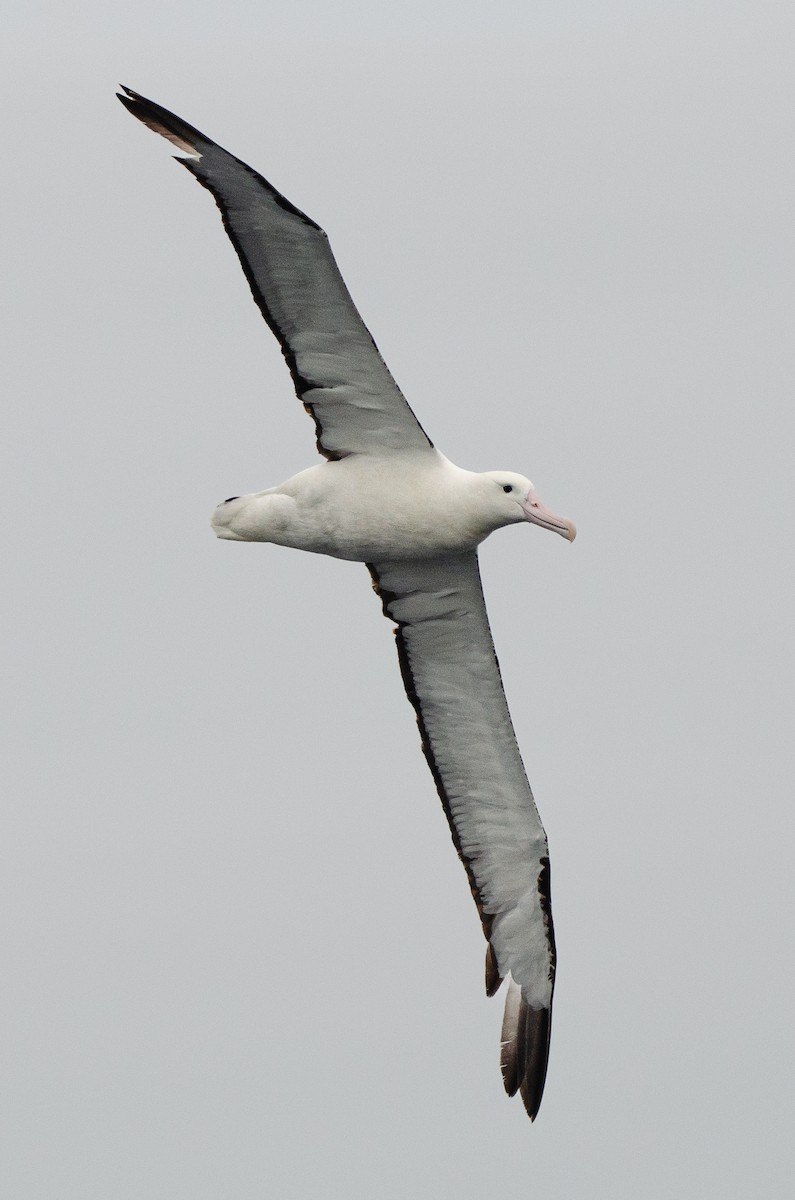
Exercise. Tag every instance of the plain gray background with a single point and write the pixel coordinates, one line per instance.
(240, 958)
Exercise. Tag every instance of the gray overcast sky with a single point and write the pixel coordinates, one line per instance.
(240, 956)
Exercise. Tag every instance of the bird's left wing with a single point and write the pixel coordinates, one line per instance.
(338, 373)
(453, 680)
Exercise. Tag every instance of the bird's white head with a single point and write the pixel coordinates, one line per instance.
(512, 498)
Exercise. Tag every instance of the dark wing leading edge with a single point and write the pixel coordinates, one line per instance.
(337, 370)
(453, 680)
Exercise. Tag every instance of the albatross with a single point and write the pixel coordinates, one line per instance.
(386, 497)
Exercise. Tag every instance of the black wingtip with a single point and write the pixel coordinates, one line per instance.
(525, 1049)
(538, 1027)
(182, 135)
(493, 977)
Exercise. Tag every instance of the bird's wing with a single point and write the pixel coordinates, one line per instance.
(338, 373)
(452, 678)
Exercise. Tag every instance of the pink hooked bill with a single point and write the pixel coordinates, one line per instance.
(538, 513)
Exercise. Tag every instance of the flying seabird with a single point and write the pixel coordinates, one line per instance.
(385, 496)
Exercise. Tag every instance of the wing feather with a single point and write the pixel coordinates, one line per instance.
(452, 679)
(338, 373)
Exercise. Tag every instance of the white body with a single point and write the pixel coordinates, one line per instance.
(367, 509)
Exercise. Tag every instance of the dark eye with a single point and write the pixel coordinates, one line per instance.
(506, 487)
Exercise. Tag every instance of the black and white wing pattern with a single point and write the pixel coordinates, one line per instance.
(452, 678)
(337, 370)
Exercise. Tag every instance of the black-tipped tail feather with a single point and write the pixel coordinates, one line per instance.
(525, 1049)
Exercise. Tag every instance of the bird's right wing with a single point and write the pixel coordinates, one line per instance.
(338, 373)
(453, 680)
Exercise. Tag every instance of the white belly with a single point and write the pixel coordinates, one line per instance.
(361, 509)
